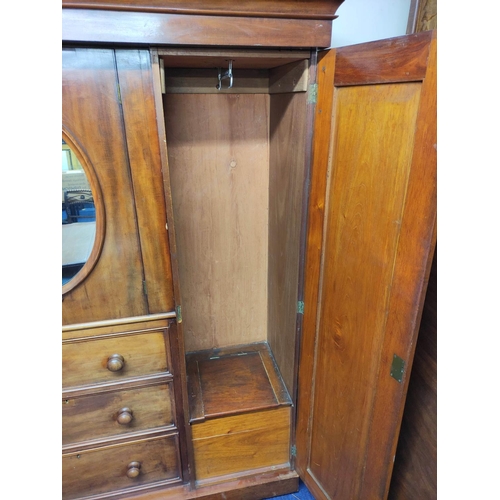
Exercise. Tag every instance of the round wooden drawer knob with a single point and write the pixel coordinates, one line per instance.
(115, 363)
(133, 469)
(125, 416)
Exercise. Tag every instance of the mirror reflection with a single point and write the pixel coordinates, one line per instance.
(78, 215)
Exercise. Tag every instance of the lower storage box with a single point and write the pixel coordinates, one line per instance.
(238, 443)
(240, 411)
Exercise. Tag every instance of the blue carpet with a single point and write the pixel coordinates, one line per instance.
(302, 494)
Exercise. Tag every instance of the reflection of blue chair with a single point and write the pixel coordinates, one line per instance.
(79, 205)
(86, 215)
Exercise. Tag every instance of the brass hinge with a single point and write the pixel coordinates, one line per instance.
(300, 307)
(312, 94)
(178, 314)
(397, 368)
(293, 451)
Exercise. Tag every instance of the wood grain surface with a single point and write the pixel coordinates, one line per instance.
(187, 57)
(234, 380)
(241, 443)
(136, 89)
(286, 179)
(415, 251)
(203, 81)
(316, 211)
(372, 155)
(380, 211)
(218, 157)
(85, 362)
(177, 337)
(90, 88)
(402, 59)
(234, 383)
(102, 470)
(151, 407)
(266, 482)
(116, 327)
(415, 468)
(314, 9)
(290, 77)
(102, 26)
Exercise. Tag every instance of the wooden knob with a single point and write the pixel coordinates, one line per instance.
(125, 416)
(115, 362)
(133, 469)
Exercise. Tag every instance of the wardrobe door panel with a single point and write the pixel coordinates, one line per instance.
(93, 118)
(378, 207)
(136, 76)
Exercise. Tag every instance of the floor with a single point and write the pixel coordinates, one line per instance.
(302, 494)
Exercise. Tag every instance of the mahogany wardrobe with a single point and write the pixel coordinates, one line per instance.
(263, 226)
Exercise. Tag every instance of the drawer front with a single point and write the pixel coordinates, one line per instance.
(238, 443)
(102, 470)
(105, 414)
(88, 362)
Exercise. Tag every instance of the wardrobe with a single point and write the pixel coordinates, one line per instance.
(247, 309)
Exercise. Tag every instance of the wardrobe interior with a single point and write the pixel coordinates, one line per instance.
(237, 163)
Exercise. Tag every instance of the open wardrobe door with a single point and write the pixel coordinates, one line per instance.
(371, 238)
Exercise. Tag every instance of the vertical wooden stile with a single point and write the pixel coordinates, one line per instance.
(177, 337)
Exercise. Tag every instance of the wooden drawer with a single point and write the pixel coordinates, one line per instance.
(97, 416)
(85, 361)
(101, 470)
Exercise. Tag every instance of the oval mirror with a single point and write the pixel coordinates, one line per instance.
(81, 227)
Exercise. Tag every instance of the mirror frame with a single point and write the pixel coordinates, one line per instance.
(100, 215)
